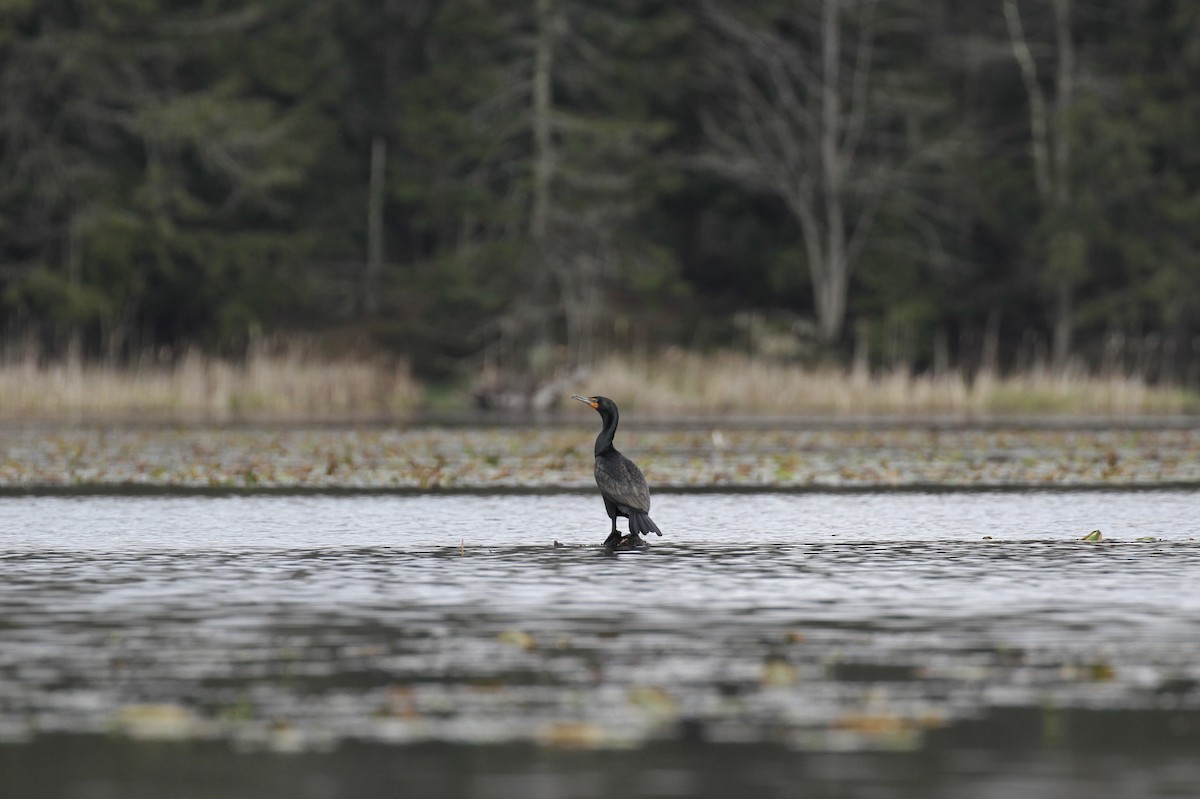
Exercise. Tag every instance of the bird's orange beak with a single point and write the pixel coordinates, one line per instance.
(595, 405)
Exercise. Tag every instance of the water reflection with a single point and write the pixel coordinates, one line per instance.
(808, 623)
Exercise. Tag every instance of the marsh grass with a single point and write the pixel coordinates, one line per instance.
(287, 384)
(300, 383)
(684, 382)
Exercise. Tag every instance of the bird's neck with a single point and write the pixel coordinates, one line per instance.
(604, 441)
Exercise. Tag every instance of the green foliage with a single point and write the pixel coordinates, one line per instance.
(50, 295)
(186, 173)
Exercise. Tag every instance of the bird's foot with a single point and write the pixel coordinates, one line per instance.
(625, 543)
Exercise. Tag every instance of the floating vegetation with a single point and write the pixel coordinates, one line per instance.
(433, 459)
(518, 638)
(159, 722)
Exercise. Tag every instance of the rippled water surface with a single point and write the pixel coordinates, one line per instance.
(970, 628)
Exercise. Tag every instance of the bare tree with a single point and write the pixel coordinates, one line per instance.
(801, 123)
(568, 158)
(1050, 139)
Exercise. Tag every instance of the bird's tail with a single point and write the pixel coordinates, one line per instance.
(641, 524)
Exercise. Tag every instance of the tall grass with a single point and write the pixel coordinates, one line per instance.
(291, 384)
(686, 382)
(298, 383)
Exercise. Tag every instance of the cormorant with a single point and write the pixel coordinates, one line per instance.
(621, 482)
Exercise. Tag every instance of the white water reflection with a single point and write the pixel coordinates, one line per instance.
(244, 523)
(817, 621)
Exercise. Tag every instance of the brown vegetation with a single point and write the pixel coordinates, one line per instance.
(681, 382)
(294, 383)
(265, 386)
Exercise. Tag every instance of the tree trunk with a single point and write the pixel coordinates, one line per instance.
(1061, 346)
(831, 297)
(1071, 254)
(375, 200)
(831, 305)
(543, 159)
(1050, 146)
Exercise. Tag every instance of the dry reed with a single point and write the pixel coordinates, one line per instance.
(296, 384)
(291, 385)
(686, 382)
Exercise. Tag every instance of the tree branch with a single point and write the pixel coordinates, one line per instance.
(1038, 116)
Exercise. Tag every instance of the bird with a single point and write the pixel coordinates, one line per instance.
(622, 484)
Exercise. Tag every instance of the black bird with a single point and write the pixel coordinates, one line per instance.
(621, 482)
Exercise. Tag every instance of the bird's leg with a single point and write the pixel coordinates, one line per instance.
(614, 538)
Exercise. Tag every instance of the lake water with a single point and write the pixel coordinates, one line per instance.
(903, 643)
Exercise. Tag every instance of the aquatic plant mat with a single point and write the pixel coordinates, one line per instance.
(702, 456)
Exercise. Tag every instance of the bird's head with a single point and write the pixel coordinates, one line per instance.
(604, 405)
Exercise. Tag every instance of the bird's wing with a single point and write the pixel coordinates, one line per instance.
(622, 482)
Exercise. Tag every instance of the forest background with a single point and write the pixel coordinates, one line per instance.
(424, 201)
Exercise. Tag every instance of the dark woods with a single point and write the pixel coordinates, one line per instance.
(523, 186)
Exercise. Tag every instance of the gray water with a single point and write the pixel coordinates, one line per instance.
(788, 628)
